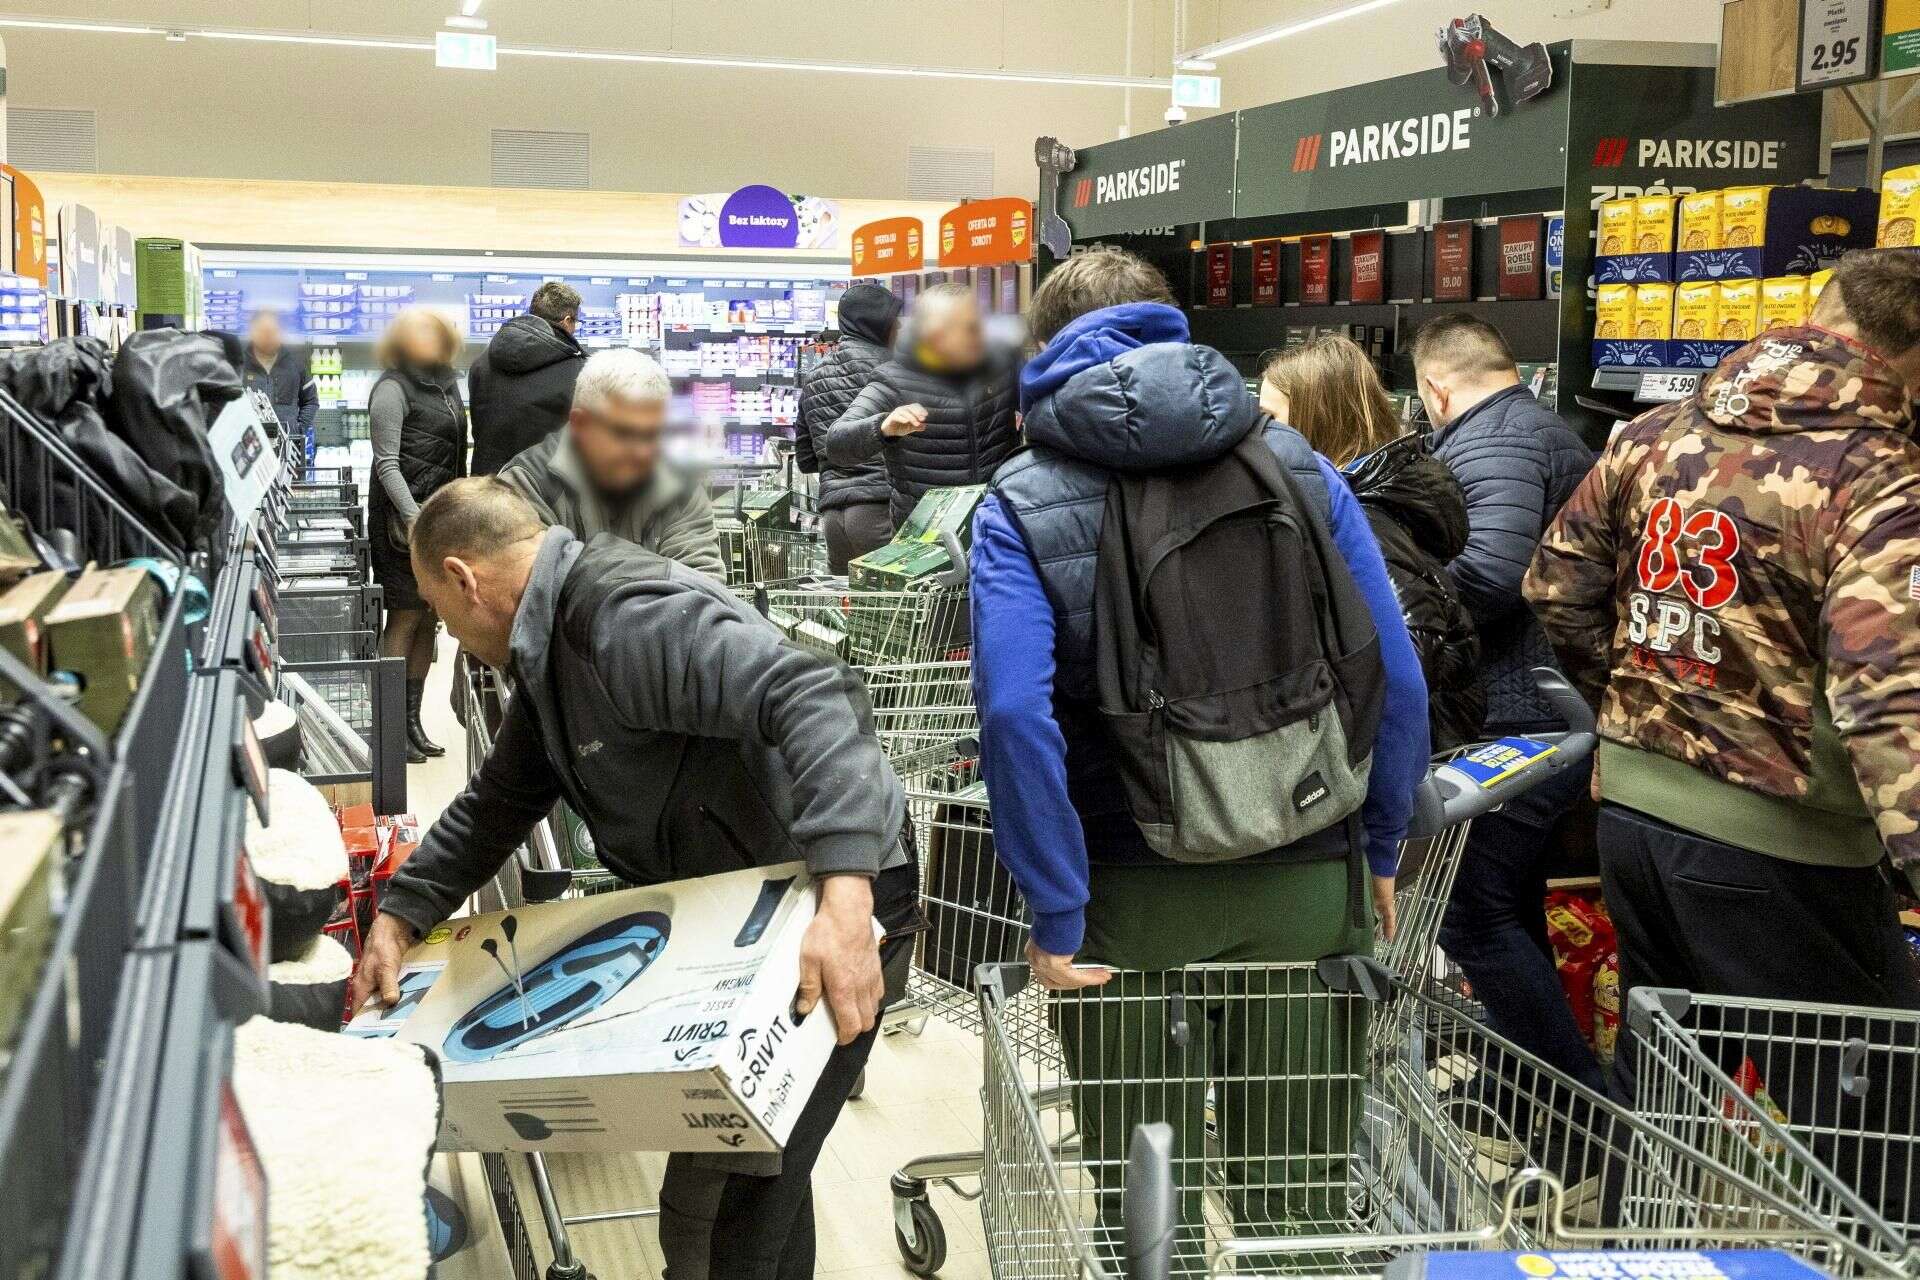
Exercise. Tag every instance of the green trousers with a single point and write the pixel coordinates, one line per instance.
(1275, 1057)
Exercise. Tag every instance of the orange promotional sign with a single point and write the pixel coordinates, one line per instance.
(889, 245)
(987, 233)
(29, 226)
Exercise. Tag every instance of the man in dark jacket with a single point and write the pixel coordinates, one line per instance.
(1518, 462)
(693, 740)
(280, 371)
(1118, 390)
(521, 386)
(853, 499)
(941, 411)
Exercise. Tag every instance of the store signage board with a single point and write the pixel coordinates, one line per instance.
(1604, 1264)
(1900, 38)
(1411, 136)
(1266, 273)
(1521, 240)
(987, 233)
(1837, 45)
(1159, 179)
(758, 217)
(1453, 262)
(1316, 271)
(1369, 283)
(1219, 275)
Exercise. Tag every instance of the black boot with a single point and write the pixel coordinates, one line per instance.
(417, 740)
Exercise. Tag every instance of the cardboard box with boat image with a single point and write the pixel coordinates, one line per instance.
(655, 1019)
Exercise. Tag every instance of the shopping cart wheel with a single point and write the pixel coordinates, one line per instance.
(859, 1086)
(917, 1230)
(578, 1271)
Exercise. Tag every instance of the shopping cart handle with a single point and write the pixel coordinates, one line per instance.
(1482, 779)
(1150, 1202)
(957, 575)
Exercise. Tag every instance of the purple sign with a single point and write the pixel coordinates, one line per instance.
(759, 217)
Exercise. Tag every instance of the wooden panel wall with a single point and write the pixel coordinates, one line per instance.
(1758, 43)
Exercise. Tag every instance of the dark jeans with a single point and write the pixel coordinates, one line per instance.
(853, 531)
(720, 1221)
(1706, 917)
(1495, 928)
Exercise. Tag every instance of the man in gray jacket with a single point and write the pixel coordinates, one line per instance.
(693, 740)
(602, 471)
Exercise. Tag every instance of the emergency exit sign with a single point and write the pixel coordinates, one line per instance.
(464, 51)
(1196, 91)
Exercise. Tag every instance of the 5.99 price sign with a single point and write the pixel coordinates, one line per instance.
(1838, 43)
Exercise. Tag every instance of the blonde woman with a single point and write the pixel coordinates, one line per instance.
(1329, 392)
(419, 431)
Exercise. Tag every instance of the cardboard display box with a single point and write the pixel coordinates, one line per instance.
(104, 629)
(656, 1019)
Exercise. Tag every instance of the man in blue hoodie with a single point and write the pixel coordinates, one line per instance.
(1117, 389)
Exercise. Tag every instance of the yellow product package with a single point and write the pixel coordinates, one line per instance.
(1653, 224)
(1899, 207)
(1613, 312)
(1616, 227)
(1739, 311)
(1653, 312)
(1816, 285)
(1700, 220)
(1696, 307)
(1743, 217)
(1783, 303)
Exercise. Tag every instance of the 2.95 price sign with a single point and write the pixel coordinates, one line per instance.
(1837, 43)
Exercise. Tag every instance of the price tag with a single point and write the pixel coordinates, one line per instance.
(601, 280)
(1664, 388)
(1838, 44)
(355, 275)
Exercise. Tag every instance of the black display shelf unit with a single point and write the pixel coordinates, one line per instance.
(1405, 154)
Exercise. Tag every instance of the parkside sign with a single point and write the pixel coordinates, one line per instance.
(1129, 184)
(1688, 153)
(1397, 139)
(1165, 178)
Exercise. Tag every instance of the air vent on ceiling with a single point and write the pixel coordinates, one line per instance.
(949, 173)
(536, 158)
(45, 138)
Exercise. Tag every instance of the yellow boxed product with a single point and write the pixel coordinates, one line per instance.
(1700, 220)
(1739, 310)
(1653, 312)
(1696, 308)
(1816, 285)
(1783, 303)
(1613, 312)
(1653, 224)
(1616, 227)
(1743, 217)
(1899, 207)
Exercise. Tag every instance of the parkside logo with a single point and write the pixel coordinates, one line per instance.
(1687, 153)
(1393, 140)
(1129, 184)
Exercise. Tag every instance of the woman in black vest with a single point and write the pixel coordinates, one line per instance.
(419, 431)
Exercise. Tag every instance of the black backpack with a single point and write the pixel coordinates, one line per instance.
(1238, 667)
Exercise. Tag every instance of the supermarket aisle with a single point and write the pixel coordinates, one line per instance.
(922, 1098)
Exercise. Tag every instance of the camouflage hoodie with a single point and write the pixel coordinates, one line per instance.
(1736, 587)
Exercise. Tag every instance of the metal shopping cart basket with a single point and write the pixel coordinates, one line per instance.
(1827, 1093)
(978, 918)
(1301, 1145)
(869, 629)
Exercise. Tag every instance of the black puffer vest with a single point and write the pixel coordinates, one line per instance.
(970, 429)
(433, 439)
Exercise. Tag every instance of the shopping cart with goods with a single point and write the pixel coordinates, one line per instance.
(1298, 1143)
(979, 921)
(1827, 1093)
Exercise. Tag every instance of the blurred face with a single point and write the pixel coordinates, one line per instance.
(954, 338)
(618, 442)
(264, 334)
(421, 343)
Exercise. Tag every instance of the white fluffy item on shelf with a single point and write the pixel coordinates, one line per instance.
(299, 857)
(311, 988)
(344, 1128)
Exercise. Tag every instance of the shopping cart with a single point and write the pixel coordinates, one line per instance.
(978, 918)
(1301, 1145)
(876, 628)
(1828, 1092)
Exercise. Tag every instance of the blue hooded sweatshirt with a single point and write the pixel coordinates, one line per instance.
(1121, 389)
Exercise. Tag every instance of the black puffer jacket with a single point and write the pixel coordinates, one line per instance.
(1518, 463)
(1419, 517)
(970, 427)
(521, 388)
(867, 315)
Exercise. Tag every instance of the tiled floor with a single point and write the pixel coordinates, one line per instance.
(922, 1098)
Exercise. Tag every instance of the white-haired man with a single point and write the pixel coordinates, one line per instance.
(602, 471)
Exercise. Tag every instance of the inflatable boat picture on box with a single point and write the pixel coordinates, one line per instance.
(656, 1019)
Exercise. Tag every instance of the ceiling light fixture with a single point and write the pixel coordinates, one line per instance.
(470, 8)
(104, 28)
(348, 42)
(1282, 30)
(464, 23)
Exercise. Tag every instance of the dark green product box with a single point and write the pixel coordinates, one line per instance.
(916, 553)
(104, 631)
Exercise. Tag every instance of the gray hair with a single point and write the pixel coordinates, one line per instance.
(621, 373)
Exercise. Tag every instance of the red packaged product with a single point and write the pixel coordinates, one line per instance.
(1576, 979)
(1606, 1005)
